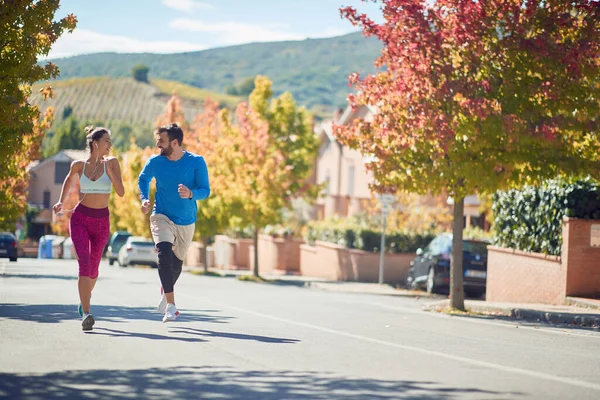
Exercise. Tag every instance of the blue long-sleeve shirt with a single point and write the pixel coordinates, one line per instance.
(190, 170)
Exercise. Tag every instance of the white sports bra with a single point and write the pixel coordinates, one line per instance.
(101, 185)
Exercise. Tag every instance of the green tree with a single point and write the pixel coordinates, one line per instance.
(246, 86)
(275, 151)
(29, 29)
(67, 112)
(140, 73)
(69, 134)
(478, 96)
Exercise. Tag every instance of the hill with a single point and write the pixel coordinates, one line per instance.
(124, 99)
(314, 70)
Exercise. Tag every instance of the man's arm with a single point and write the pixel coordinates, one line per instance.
(201, 185)
(144, 181)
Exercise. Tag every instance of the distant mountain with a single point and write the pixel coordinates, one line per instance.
(314, 70)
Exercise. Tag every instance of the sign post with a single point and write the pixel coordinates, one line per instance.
(385, 200)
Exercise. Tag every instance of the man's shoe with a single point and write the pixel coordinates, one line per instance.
(171, 313)
(87, 322)
(162, 305)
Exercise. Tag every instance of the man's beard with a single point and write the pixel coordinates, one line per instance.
(166, 151)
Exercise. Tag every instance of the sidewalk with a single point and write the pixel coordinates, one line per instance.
(577, 311)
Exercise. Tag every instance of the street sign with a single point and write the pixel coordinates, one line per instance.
(386, 198)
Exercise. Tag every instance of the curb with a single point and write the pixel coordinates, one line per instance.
(584, 320)
(525, 314)
(384, 290)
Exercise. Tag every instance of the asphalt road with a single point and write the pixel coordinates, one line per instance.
(243, 340)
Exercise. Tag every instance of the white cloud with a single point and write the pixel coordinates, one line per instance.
(83, 41)
(187, 5)
(229, 33)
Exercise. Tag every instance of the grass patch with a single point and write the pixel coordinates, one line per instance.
(467, 313)
(252, 278)
(204, 273)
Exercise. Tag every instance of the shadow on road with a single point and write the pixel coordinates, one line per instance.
(55, 313)
(141, 335)
(229, 335)
(223, 383)
(40, 276)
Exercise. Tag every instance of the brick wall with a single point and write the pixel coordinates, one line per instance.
(583, 260)
(231, 253)
(277, 255)
(520, 277)
(331, 261)
(517, 276)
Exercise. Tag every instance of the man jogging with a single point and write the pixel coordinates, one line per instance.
(181, 179)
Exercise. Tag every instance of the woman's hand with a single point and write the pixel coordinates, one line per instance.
(57, 207)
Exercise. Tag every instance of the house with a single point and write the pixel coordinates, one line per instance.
(346, 179)
(342, 170)
(45, 184)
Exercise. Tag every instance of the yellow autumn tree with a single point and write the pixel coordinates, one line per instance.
(125, 213)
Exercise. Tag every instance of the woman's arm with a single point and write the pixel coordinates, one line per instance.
(114, 173)
(73, 172)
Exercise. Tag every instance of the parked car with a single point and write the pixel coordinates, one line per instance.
(117, 240)
(8, 246)
(138, 250)
(431, 269)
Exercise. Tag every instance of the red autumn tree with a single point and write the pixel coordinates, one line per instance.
(475, 96)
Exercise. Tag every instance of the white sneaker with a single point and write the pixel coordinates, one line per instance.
(171, 313)
(162, 306)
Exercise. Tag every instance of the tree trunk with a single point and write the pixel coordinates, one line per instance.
(205, 254)
(457, 294)
(256, 253)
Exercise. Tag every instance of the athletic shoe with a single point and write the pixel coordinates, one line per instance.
(87, 322)
(162, 306)
(171, 313)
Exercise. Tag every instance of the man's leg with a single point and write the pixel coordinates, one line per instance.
(165, 269)
(177, 267)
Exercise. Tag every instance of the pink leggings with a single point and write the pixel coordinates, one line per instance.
(89, 228)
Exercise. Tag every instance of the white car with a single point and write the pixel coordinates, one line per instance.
(138, 250)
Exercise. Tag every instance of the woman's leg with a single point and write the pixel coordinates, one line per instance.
(81, 243)
(98, 238)
(84, 284)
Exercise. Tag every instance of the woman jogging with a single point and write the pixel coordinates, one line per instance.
(90, 225)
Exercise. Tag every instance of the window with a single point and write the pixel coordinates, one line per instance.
(351, 180)
(328, 180)
(61, 169)
(47, 199)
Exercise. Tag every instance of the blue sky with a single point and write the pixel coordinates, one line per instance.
(170, 26)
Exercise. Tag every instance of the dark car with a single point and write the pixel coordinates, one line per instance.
(117, 240)
(8, 246)
(431, 269)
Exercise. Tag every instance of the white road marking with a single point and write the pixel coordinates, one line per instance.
(504, 368)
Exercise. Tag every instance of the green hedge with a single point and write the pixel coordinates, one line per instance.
(530, 219)
(365, 238)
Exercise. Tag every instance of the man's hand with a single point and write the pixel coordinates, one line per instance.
(184, 192)
(145, 206)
